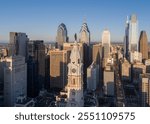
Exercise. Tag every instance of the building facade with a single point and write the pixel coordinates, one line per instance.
(36, 67)
(58, 68)
(15, 79)
(61, 36)
(92, 76)
(143, 45)
(85, 34)
(18, 44)
(108, 80)
(144, 88)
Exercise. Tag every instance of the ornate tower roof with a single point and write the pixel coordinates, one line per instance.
(75, 54)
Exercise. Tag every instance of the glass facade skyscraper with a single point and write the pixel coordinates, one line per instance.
(133, 33)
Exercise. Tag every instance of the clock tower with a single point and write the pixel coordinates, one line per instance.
(75, 79)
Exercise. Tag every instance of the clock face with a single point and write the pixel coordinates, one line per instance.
(73, 70)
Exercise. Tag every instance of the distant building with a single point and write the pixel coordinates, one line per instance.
(144, 88)
(58, 68)
(126, 40)
(106, 43)
(36, 67)
(3, 53)
(125, 70)
(137, 69)
(18, 44)
(85, 34)
(92, 76)
(143, 45)
(61, 35)
(15, 79)
(108, 79)
(147, 63)
(131, 35)
(135, 57)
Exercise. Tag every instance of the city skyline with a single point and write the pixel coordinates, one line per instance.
(40, 19)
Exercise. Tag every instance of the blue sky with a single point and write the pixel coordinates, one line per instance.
(40, 18)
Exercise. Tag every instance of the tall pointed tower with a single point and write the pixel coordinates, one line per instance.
(75, 79)
(85, 34)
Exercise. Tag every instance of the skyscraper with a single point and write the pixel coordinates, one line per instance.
(92, 76)
(75, 79)
(15, 79)
(58, 68)
(18, 44)
(143, 45)
(61, 36)
(85, 34)
(106, 43)
(126, 39)
(133, 33)
(108, 79)
(36, 66)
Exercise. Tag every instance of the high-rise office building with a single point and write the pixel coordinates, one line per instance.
(58, 68)
(144, 88)
(92, 76)
(137, 69)
(36, 67)
(97, 53)
(106, 43)
(125, 70)
(15, 79)
(61, 36)
(126, 39)
(18, 44)
(85, 34)
(75, 79)
(108, 79)
(143, 45)
(131, 35)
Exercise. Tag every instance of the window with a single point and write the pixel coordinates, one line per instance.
(74, 82)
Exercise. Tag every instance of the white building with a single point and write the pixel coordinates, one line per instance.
(74, 87)
(92, 76)
(105, 46)
(15, 79)
(106, 37)
(135, 57)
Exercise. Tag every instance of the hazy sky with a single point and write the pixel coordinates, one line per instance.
(40, 18)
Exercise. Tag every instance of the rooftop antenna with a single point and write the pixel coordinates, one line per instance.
(84, 19)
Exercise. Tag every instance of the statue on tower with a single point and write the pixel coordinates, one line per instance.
(75, 37)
